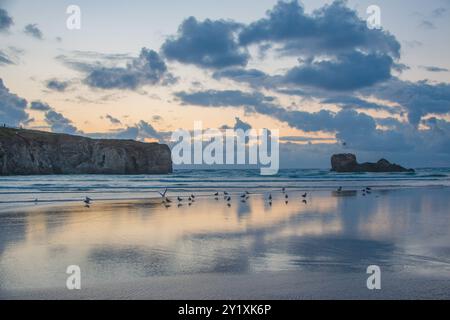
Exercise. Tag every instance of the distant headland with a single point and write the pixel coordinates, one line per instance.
(347, 163)
(29, 152)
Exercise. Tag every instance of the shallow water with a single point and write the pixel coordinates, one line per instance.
(400, 230)
(25, 190)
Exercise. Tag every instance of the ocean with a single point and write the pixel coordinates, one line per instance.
(25, 190)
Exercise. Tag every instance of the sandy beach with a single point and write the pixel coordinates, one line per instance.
(143, 249)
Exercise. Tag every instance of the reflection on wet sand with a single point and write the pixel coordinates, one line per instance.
(131, 240)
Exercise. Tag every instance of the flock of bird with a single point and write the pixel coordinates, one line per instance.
(227, 197)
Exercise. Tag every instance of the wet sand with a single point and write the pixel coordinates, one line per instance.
(250, 250)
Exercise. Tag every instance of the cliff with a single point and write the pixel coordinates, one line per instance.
(27, 152)
(347, 163)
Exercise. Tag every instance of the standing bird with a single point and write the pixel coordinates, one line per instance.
(225, 193)
(87, 201)
(283, 190)
(229, 199)
(270, 197)
(180, 199)
(216, 194)
(286, 196)
(305, 195)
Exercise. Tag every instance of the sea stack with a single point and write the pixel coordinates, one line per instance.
(347, 163)
(29, 152)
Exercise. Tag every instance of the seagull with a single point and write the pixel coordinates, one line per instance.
(339, 189)
(216, 194)
(368, 188)
(286, 196)
(283, 190)
(270, 197)
(305, 195)
(168, 200)
(190, 199)
(246, 192)
(243, 196)
(163, 195)
(179, 199)
(229, 199)
(87, 200)
(225, 193)
(192, 196)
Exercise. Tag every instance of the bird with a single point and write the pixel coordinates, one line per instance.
(168, 200)
(270, 197)
(179, 199)
(369, 189)
(225, 193)
(192, 196)
(190, 199)
(243, 196)
(163, 195)
(286, 196)
(36, 200)
(229, 199)
(339, 189)
(87, 200)
(283, 190)
(305, 195)
(246, 192)
(216, 194)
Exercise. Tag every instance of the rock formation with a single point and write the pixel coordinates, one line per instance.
(27, 152)
(347, 163)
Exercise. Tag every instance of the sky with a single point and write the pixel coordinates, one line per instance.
(312, 69)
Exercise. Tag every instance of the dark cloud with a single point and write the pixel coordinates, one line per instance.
(208, 44)
(147, 69)
(59, 123)
(39, 106)
(332, 29)
(12, 107)
(5, 20)
(351, 102)
(34, 31)
(434, 69)
(57, 85)
(253, 77)
(358, 130)
(112, 119)
(417, 98)
(239, 124)
(141, 131)
(350, 71)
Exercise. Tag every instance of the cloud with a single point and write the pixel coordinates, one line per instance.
(5, 59)
(351, 102)
(239, 124)
(207, 44)
(59, 123)
(417, 98)
(332, 29)
(427, 24)
(40, 106)
(57, 85)
(358, 130)
(140, 131)
(253, 77)
(5, 20)
(12, 107)
(33, 31)
(10, 56)
(349, 72)
(434, 69)
(147, 69)
(112, 119)
(439, 12)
